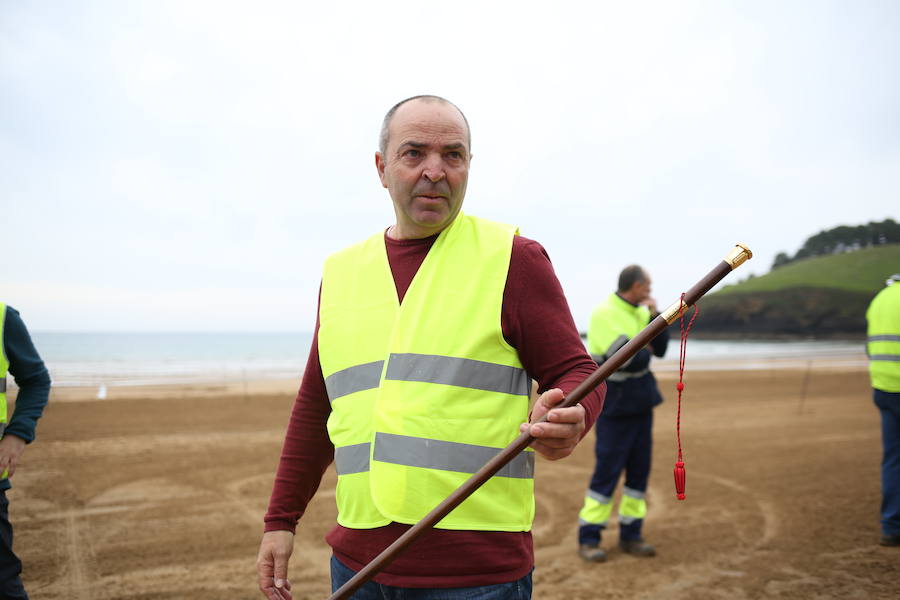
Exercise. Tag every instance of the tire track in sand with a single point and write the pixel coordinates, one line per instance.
(79, 581)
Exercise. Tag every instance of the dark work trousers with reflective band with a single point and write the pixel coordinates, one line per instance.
(11, 587)
(889, 405)
(623, 444)
(514, 590)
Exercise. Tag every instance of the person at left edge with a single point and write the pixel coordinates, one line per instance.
(21, 360)
(419, 371)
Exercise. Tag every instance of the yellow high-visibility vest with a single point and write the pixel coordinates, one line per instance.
(612, 324)
(4, 368)
(883, 345)
(424, 393)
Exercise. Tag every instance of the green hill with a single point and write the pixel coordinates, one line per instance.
(863, 271)
(824, 296)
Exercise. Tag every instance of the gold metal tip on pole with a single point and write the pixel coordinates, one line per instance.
(738, 256)
(672, 311)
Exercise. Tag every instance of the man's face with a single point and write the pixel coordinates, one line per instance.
(642, 290)
(425, 166)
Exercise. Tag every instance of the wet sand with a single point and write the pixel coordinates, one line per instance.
(159, 493)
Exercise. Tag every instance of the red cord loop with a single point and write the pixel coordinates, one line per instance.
(680, 473)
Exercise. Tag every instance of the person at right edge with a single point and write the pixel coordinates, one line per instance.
(883, 349)
(18, 356)
(625, 426)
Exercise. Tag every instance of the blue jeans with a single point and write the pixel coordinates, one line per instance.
(889, 405)
(514, 590)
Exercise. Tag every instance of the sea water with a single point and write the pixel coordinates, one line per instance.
(115, 359)
(762, 354)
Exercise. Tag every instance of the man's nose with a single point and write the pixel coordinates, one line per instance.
(433, 169)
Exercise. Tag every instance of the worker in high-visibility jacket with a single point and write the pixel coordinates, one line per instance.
(625, 427)
(18, 358)
(883, 349)
(429, 335)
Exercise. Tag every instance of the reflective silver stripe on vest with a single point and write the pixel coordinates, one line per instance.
(884, 338)
(889, 357)
(3, 385)
(353, 379)
(461, 372)
(620, 376)
(2, 428)
(351, 459)
(446, 456)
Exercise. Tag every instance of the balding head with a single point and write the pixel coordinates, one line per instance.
(385, 136)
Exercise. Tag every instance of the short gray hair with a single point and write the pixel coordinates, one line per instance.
(385, 125)
(629, 276)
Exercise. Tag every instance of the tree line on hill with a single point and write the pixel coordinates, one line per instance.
(844, 238)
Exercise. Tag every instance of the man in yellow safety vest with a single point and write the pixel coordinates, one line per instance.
(428, 336)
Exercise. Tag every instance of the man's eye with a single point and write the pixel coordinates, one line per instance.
(455, 155)
(412, 153)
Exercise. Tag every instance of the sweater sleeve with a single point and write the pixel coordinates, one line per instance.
(307, 449)
(538, 323)
(30, 374)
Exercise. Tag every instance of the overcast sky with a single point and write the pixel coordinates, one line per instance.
(171, 166)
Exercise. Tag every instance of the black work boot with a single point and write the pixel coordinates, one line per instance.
(637, 547)
(591, 553)
(890, 540)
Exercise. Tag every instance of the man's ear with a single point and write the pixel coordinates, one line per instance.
(380, 165)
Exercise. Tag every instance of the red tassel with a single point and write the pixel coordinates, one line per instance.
(680, 474)
(679, 479)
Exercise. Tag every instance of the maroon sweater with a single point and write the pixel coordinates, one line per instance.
(537, 322)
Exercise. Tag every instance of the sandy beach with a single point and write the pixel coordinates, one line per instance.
(159, 493)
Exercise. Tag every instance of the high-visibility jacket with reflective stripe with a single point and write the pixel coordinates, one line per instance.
(4, 368)
(613, 323)
(883, 345)
(424, 393)
(630, 390)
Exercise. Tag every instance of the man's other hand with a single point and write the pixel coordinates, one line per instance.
(650, 303)
(272, 564)
(11, 449)
(557, 437)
